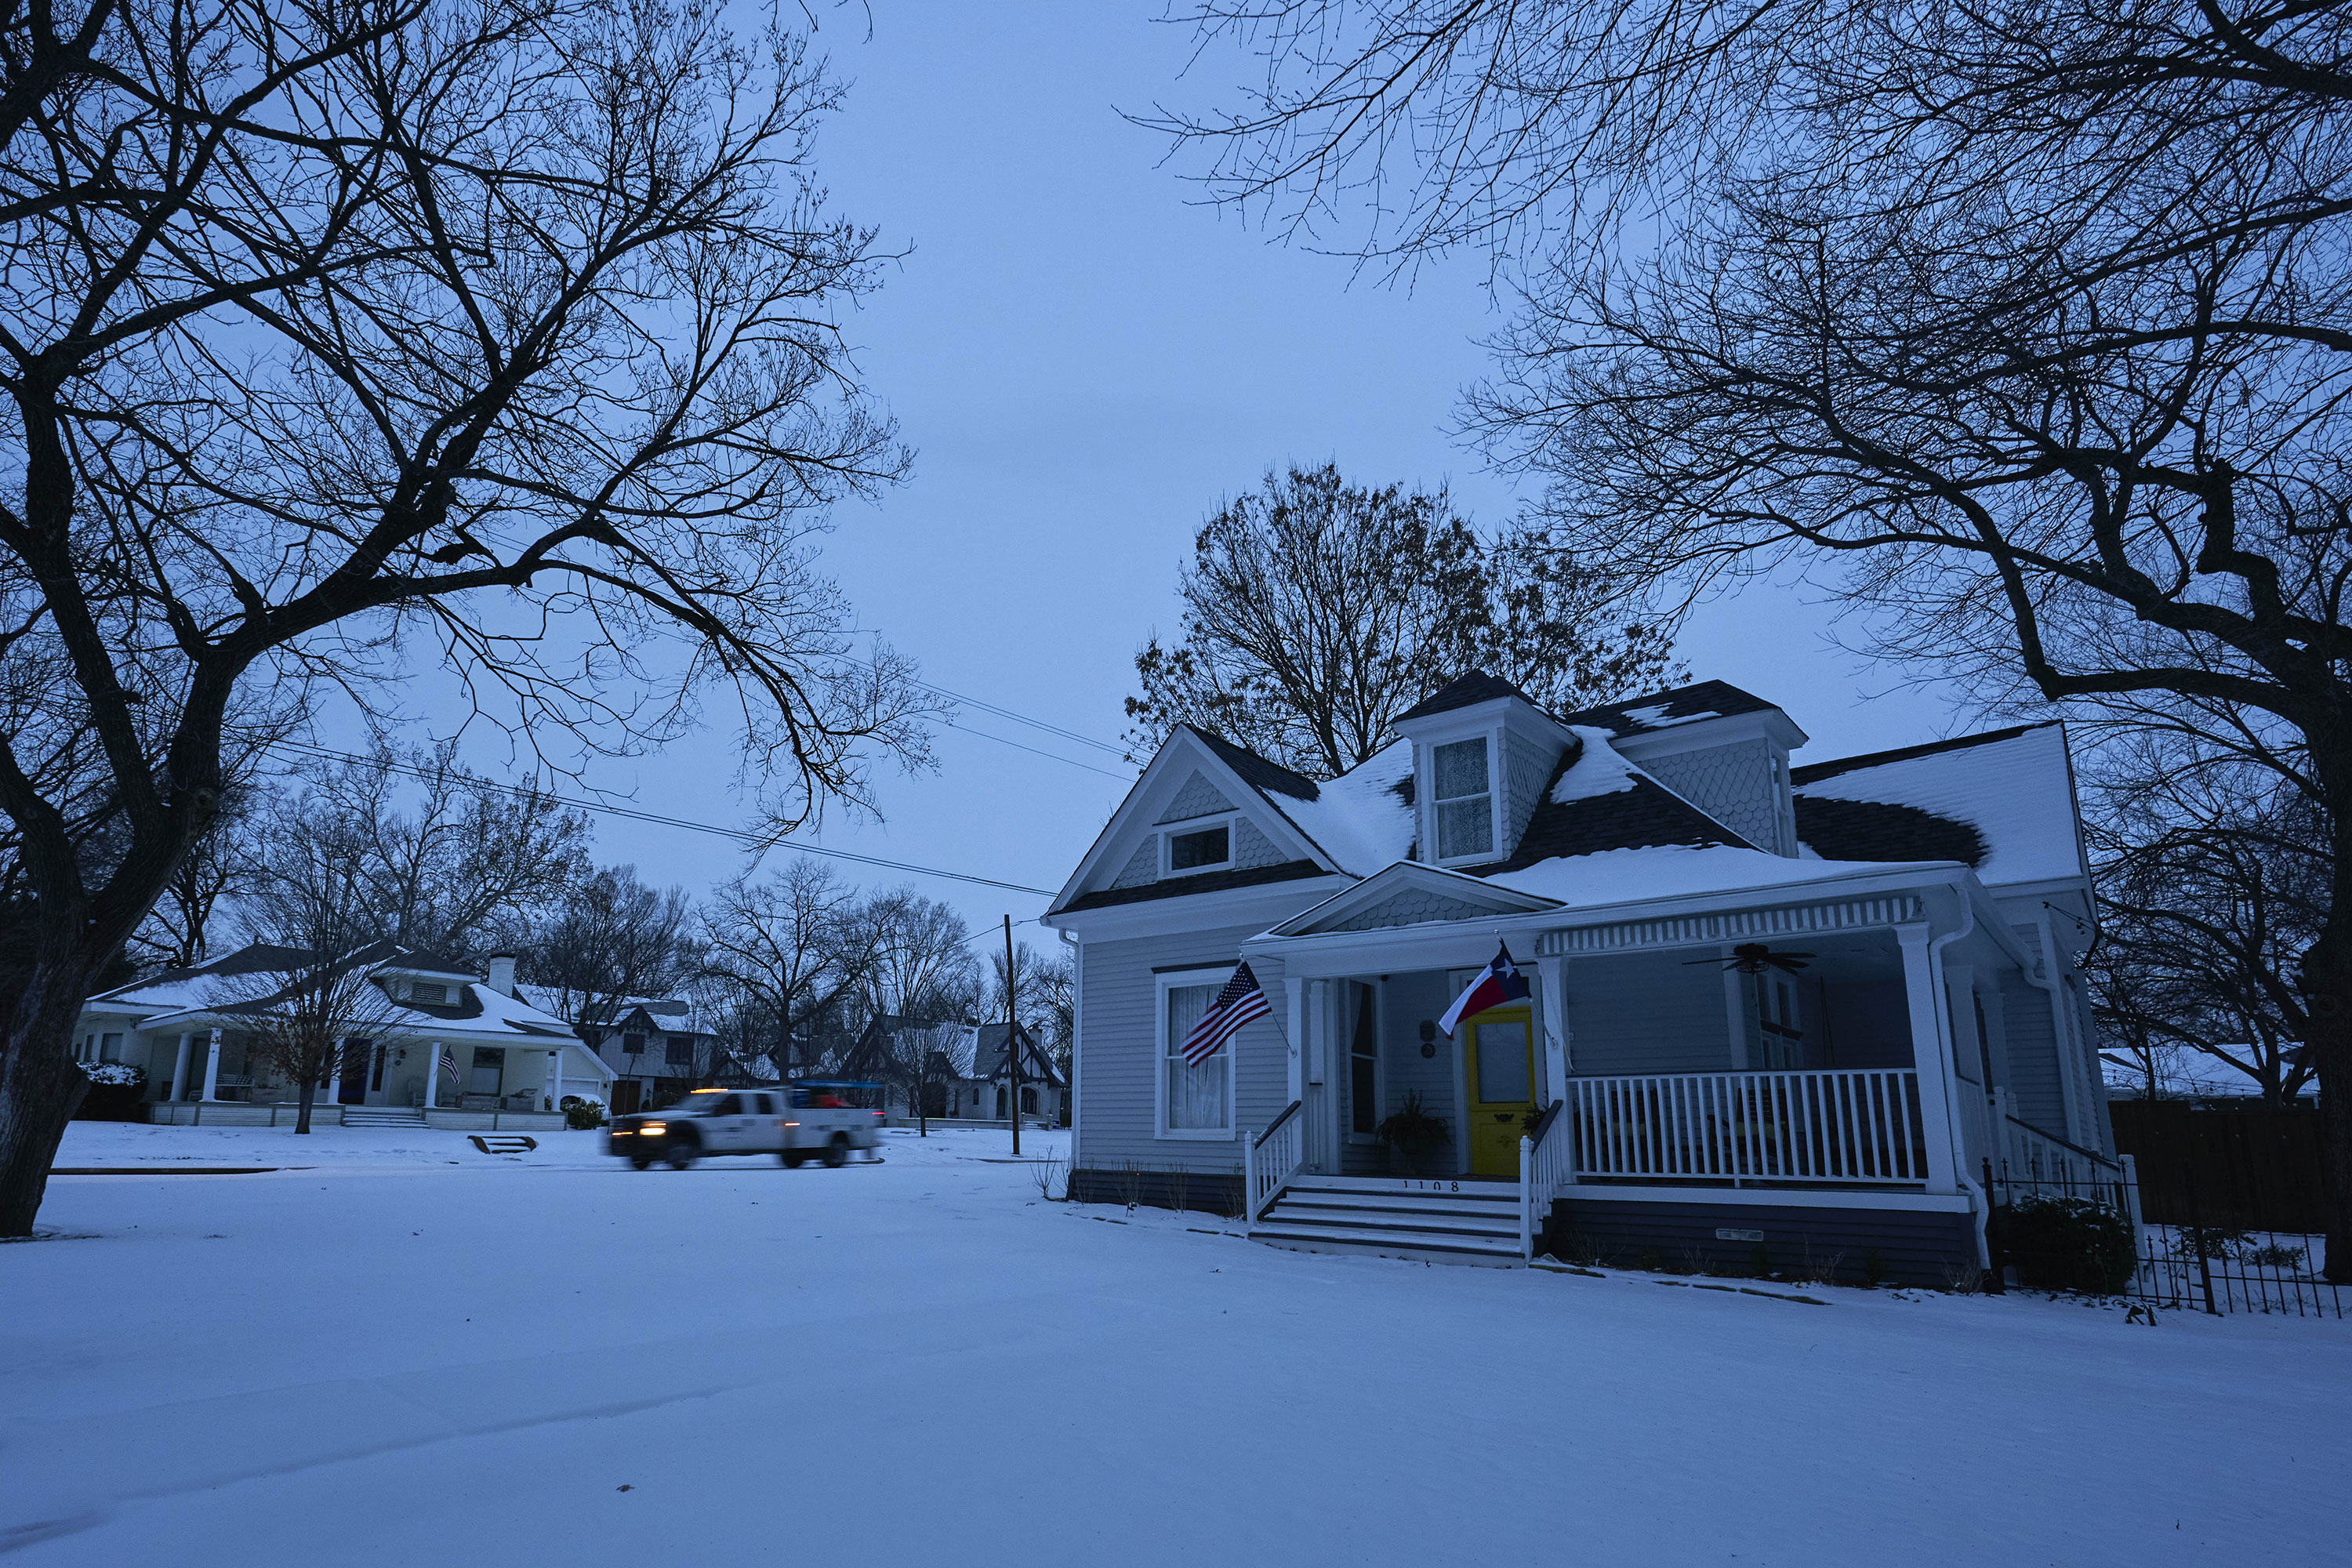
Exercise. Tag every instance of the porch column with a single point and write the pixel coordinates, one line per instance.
(1551, 974)
(555, 1076)
(432, 1070)
(1320, 1096)
(180, 1067)
(1296, 988)
(212, 1065)
(1931, 1056)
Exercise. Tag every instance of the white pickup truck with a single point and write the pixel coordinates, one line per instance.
(793, 1121)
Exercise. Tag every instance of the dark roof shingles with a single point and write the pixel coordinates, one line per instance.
(1879, 830)
(1702, 700)
(1257, 772)
(1648, 815)
(1814, 772)
(1463, 691)
(1205, 882)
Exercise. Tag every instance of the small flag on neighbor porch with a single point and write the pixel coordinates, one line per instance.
(1499, 983)
(449, 1063)
(1240, 1002)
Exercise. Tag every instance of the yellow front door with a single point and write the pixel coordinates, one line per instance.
(1500, 1068)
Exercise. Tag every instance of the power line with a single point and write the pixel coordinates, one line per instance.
(740, 834)
(1003, 712)
(1052, 756)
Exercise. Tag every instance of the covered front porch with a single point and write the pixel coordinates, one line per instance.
(209, 1075)
(1830, 1076)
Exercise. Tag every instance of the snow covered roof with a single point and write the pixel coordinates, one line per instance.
(1599, 802)
(2009, 791)
(215, 994)
(1362, 819)
(1665, 709)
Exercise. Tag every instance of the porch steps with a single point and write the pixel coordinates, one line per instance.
(1370, 1215)
(380, 1116)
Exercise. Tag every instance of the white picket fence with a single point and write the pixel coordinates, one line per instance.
(1859, 1124)
(1275, 1157)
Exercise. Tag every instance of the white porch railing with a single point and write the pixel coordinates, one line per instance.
(1859, 1124)
(2034, 1161)
(1274, 1156)
(1547, 1164)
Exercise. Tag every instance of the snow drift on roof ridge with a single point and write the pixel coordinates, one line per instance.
(1359, 819)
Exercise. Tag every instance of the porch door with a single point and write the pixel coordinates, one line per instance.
(1499, 1070)
(353, 1088)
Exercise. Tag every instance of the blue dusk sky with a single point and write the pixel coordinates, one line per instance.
(1086, 360)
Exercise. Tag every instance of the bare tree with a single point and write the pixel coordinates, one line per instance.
(338, 337)
(789, 942)
(614, 939)
(325, 1004)
(2025, 329)
(1316, 611)
(442, 861)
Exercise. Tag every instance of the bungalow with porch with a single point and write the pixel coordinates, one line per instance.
(447, 1046)
(1800, 1009)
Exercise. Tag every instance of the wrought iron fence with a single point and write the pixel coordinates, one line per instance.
(2192, 1264)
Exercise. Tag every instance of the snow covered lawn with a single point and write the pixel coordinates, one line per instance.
(410, 1353)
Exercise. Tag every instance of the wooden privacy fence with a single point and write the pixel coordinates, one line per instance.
(2257, 1167)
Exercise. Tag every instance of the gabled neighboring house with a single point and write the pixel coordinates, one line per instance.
(512, 1062)
(1800, 1008)
(973, 1075)
(655, 1046)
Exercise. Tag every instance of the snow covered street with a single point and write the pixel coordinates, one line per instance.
(411, 1352)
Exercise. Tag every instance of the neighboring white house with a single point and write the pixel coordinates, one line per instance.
(1795, 1008)
(657, 1047)
(972, 1075)
(446, 1045)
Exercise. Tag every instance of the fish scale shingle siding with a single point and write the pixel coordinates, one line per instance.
(1199, 798)
(1252, 849)
(1141, 867)
(1733, 784)
(1410, 907)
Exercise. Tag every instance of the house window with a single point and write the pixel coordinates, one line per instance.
(1201, 850)
(1196, 1100)
(110, 1047)
(489, 1067)
(1464, 800)
(635, 1045)
(679, 1051)
(427, 991)
(1364, 1062)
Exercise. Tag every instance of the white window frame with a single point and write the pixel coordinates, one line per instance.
(1212, 976)
(1169, 831)
(1425, 790)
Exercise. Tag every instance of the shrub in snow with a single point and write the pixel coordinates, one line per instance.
(582, 1114)
(2072, 1244)
(116, 1091)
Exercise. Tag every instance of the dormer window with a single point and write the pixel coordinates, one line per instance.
(1199, 848)
(1463, 801)
(427, 991)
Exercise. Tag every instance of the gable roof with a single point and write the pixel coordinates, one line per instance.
(1462, 692)
(211, 990)
(1665, 709)
(2011, 791)
(1261, 774)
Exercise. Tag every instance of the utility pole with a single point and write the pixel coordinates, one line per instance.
(1012, 1037)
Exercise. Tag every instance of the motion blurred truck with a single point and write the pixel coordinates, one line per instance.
(809, 1120)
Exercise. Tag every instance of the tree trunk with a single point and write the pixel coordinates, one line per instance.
(2327, 981)
(310, 1093)
(41, 1086)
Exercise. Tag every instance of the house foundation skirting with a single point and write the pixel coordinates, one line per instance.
(1927, 1241)
(1195, 1191)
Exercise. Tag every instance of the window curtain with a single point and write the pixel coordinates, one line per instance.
(1196, 1094)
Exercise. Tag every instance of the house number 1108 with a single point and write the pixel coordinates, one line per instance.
(1413, 1186)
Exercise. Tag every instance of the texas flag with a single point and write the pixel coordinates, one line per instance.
(1499, 983)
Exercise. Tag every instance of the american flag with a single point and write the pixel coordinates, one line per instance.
(1239, 1003)
(449, 1065)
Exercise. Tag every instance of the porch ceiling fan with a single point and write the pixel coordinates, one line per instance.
(1754, 958)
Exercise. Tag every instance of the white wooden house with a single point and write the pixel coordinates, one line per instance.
(447, 1046)
(1794, 1007)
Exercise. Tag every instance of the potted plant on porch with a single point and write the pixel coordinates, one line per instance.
(1413, 1134)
